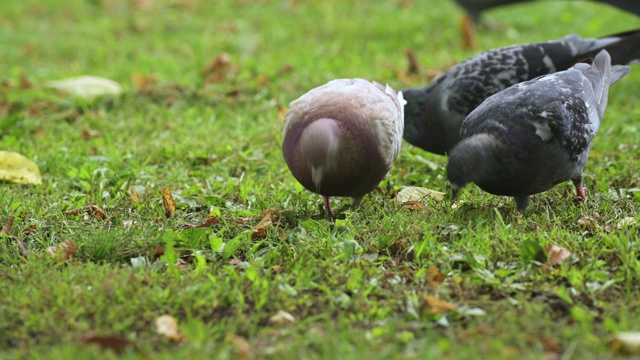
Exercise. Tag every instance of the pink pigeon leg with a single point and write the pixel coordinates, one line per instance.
(581, 190)
(327, 207)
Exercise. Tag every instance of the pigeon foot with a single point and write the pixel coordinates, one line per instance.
(327, 207)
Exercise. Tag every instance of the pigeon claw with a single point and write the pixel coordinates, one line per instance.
(327, 207)
(581, 194)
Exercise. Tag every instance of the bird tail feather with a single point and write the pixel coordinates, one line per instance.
(601, 74)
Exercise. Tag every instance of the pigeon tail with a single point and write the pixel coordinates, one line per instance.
(601, 75)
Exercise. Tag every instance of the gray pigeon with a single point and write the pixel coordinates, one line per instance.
(536, 134)
(340, 139)
(474, 8)
(433, 114)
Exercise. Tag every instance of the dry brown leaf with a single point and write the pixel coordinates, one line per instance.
(218, 69)
(116, 343)
(206, 223)
(413, 205)
(143, 82)
(89, 209)
(262, 80)
(63, 251)
(29, 230)
(241, 345)
(556, 254)
(282, 317)
(626, 343)
(6, 229)
(276, 268)
(25, 83)
(167, 202)
(412, 62)
(133, 195)
(88, 134)
(434, 276)
(433, 305)
(267, 221)
(167, 326)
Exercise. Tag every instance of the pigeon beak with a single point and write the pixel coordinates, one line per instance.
(454, 191)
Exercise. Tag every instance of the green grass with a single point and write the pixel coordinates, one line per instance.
(356, 287)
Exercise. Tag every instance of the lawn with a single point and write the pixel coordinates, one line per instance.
(268, 275)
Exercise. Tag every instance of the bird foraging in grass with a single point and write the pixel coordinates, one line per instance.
(526, 139)
(341, 138)
(434, 114)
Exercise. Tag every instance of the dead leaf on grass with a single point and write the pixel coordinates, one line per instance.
(63, 251)
(218, 69)
(282, 317)
(143, 82)
(626, 343)
(418, 194)
(555, 254)
(241, 346)
(167, 326)
(412, 62)
(86, 86)
(17, 168)
(116, 343)
(282, 111)
(88, 210)
(627, 221)
(267, 221)
(133, 195)
(206, 223)
(434, 276)
(88, 134)
(433, 305)
(7, 228)
(167, 202)
(25, 83)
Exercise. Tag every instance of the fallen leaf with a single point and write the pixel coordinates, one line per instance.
(86, 86)
(89, 209)
(412, 67)
(218, 69)
(24, 81)
(434, 276)
(241, 346)
(143, 82)
(282, 317)
(419, 194)
(133, 195)
(627, 221)
(17, 168)
(23, 249)
(167, 202)
(6, 229)
(267, 221)
(88, 134)
(115, 343)
(556, 254)
(626, 343)
(168, 326)
(433, 305)
(64, 251)
(181, 265)
(413, 205)
(30, 229)
(206, 223)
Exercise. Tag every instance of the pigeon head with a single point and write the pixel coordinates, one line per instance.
(319, 148)
(474, 159)
(421, 128)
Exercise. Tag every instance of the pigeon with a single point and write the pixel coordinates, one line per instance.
(433, 114)
(526, 139)
(341, 138)
(474, 8)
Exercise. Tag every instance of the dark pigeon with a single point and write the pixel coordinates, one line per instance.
(433, 114)
(526, 139)
(341, 139)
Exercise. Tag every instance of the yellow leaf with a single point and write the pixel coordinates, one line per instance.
(282, 317)
(16, 168)
(415, 193)
(433, 305)
(167, 202)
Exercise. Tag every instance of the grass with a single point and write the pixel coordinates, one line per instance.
(357, 287)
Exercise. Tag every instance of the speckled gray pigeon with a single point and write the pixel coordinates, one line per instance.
(433, 114)
(341, 138)
(475, 7)
(536, 134)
